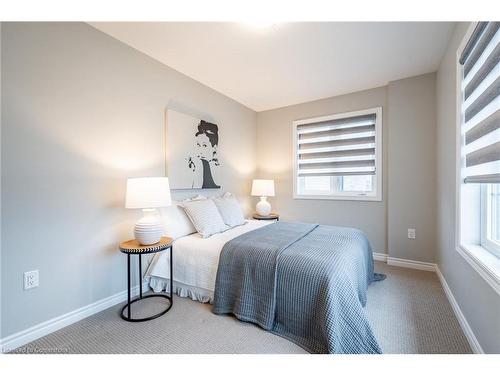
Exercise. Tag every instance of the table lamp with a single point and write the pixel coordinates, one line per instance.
(263, 189)
(148, 193)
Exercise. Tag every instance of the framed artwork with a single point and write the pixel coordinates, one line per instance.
(191, 152)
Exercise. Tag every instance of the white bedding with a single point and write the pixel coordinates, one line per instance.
(195, 263)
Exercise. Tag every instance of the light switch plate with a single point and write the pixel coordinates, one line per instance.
(411, 233)
(31, 279)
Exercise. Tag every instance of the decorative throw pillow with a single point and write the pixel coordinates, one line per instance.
(175, 222)
(230, 210)
(205, 217)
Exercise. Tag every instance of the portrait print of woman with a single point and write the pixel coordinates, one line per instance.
(192, 152)
(205, 157)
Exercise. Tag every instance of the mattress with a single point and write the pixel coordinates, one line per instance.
(195, 262)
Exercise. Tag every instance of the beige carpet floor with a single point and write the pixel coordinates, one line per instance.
(408, 311)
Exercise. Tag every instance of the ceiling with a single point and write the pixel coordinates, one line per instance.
(289, 63)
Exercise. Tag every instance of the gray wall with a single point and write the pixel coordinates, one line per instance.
(81, 112)
(275, 161)
(477, 300)
(411, 174)
(408, 128)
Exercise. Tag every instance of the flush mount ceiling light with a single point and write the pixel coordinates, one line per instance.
(259, 23)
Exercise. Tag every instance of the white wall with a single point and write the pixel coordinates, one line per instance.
(477, 300)
(81, 112)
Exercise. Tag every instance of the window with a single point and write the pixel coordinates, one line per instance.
(479, 147)
(490, 218)
(339, 156)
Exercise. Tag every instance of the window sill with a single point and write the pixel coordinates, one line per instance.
(485, 263)
(340, 197)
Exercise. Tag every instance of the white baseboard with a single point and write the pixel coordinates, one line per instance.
(21, 338)
(382, 257)
(407, 263)
(469, 334)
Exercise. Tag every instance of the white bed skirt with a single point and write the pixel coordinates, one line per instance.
(159, 284)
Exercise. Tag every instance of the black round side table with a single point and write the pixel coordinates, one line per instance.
(133, 247)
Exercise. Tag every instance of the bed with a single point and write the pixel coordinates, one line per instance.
(304, 282)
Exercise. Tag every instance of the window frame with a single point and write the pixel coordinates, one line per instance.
(477, 256)
(378, 176)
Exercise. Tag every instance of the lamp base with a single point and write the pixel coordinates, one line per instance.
(263, 208)
(148, 230)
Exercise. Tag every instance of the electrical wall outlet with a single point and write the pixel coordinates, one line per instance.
(411, 233)
(31, 279)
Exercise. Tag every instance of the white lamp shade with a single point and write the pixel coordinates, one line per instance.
(263, 188)
(148, 192)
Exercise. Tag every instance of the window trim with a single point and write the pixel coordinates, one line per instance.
(345, 196)
(479, 258)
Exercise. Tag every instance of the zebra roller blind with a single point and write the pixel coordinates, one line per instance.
(480, 87)
(343, 146)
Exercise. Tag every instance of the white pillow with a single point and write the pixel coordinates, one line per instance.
(230, 210)
(175, 222)
(205, 217)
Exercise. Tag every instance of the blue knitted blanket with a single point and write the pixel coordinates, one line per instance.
(305, 282)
